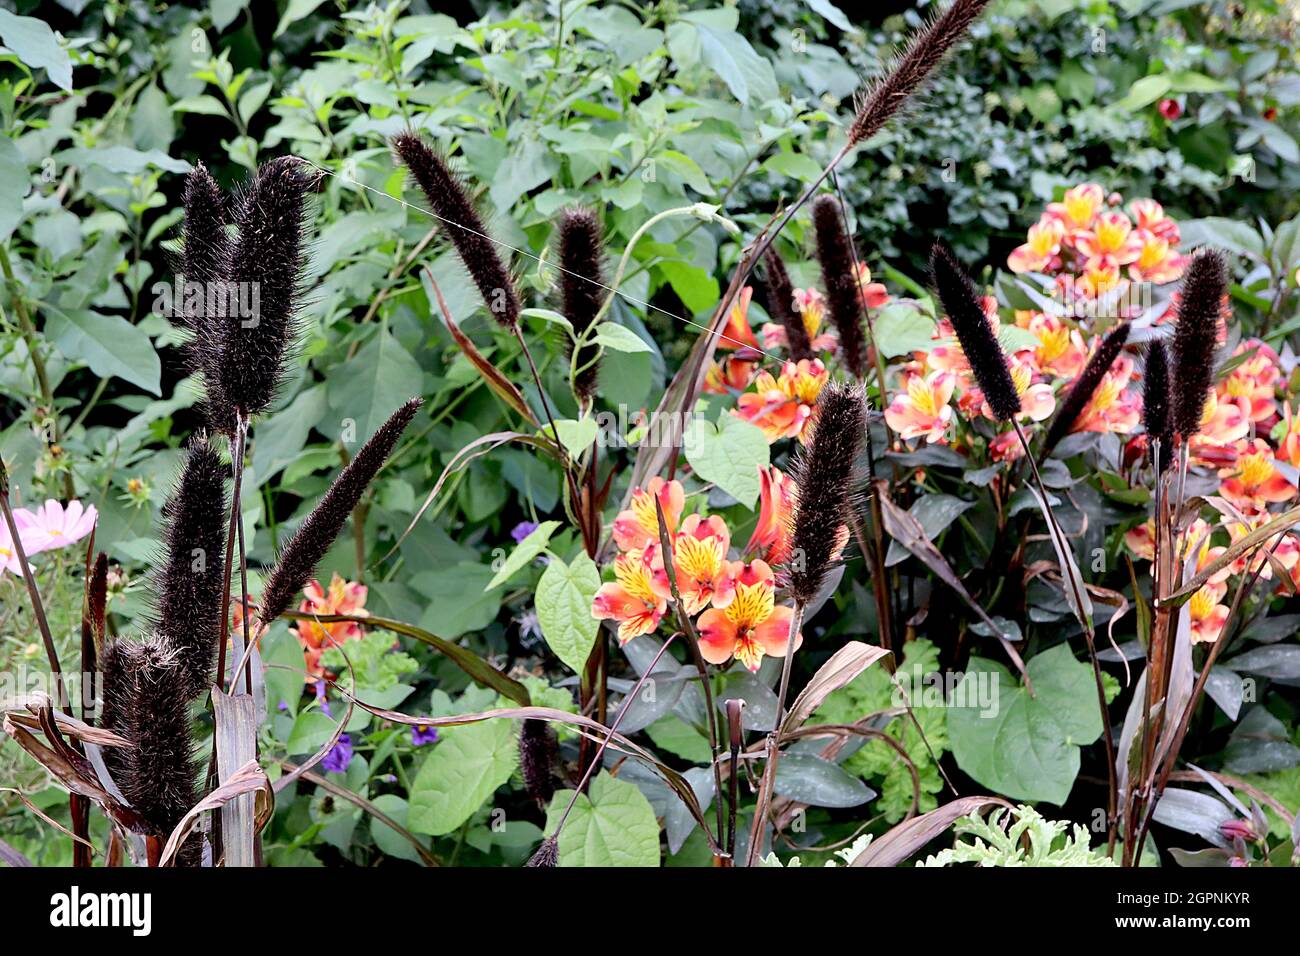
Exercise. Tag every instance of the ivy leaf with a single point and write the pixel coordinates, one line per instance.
(525, 551)
(728, 454)
(464, 769)
(564, 596)
(1025, 748)
(613, 825)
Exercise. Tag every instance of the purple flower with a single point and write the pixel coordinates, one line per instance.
(523, 530)
(421, 735)
(340, 755)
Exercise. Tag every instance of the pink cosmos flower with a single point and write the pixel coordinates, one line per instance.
(52, 526)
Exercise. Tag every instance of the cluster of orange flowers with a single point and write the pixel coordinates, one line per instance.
(735, 599)
(1251, 436)
(779, 404)
(1092, 249)
(1088, 241)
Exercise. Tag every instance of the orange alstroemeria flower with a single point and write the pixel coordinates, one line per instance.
(1253, 482)
(342, 597)
(1061, 351)
(1079, 207)
(638, 526)
(782, 406)
(810, 305)
(776, 499)
(1113, 407)
(1289, 447)
(1150, 217)
(1111, 239)
(1256, 380)
(1207, 615)
(630, 599)
(737, 334)
(700, 564)
(923, 410)
(1156, 260)
(1043, 245)
(732, 374)
(751, 626)
(872, 295)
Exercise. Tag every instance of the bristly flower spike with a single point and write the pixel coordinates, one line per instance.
(190, 581)
(145, 701)
(1085, 385)
(780, 305)
(538, 752)
(961, 300)
(267, 260)
(451, 203)
(843, 300)
(824, 471)
(910, 70)
(299, 557)
(582, 284)
(1156, 401)
(1201, 304)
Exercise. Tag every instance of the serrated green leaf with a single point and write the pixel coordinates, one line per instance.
(614, 825)
(564, 596)
(728, 454)
(525, 551)
(465, 768)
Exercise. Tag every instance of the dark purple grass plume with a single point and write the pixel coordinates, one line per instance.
(451, 203)
(961, 300)
(299, 557)
(780, 305)
(547, 855)
(823, 472)
(252, 352)
(907, 73)
(145, 701)
(190, 581)
(205, 267)
(840, 278)
(582, 284)
(1157, 400)
(538, 753)
(1205, 286)
(1083, 387)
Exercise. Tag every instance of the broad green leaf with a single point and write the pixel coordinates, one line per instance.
(1224, 233)
(379, 379)
(295, 11)
(1025, 748)
(728, 454)
(388, 840)
(525, 551)
(15, 183)
(311, 730)
(729, 55)
(901, 329)
(279, 440)
(1144, 92)
(621, 339)
(575, 436)
(109, 344)
(33, 42)
(564, 596)
(465, 768)
(614, 825)
(456, 599)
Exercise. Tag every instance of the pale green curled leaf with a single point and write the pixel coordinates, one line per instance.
(1026, 748)
(728, 454)
(33, 42)
(461, 772)
(1019, 837)
(564, 596)
(525, 551)
(613, 824)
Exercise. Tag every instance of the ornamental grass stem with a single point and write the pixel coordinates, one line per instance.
(1069, 574)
